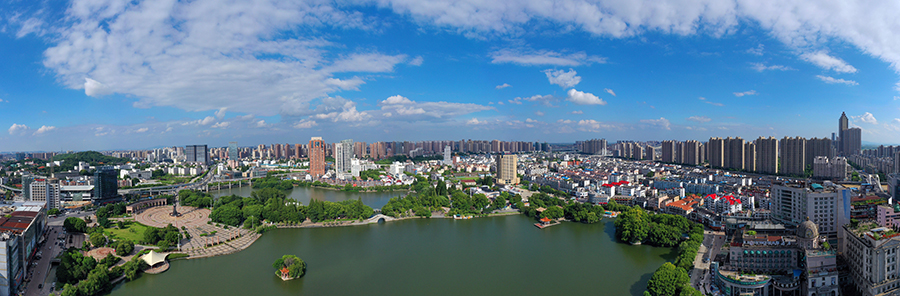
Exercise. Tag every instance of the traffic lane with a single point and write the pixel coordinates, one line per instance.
(39, 271)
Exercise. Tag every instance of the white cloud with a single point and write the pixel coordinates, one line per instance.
(746, 93)
(609, 91)
(367, 62)
(866, 117)
(584, 98)
(95, 89)
(896, 98)
(141, 130)
(662, 123)
(305, 124)
(699, 118)
(528, 57)
(538, 113)
(221, 113)
(715, 104)
(577, 112)
(763, 67)
(475, 121)
(44, 129)
(543, 99)
(205, 121)
(261, 123)
(417, 61)
(17, 129)
(566, 79)
(590, 125)
(397, 99)
(223, 124)
(502, 86)
(832, 80)
(827, 62)
(758, 50)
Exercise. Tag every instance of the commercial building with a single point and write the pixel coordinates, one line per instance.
(45, 191)
(106, 185)
(507, 169)
(21, 227)
(872, 253)
(233, 153)
(316, 157)
(828, 207)
(197, 154)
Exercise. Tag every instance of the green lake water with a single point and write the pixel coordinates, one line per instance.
(485, 256)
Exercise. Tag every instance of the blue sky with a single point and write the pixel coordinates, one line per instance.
(102, 74)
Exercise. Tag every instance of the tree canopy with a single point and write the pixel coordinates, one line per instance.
(667, 280)
(296, 267)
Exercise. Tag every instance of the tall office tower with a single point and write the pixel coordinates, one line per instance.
(767, 155)
(343, 152)
(668, 151)
(233, 153)
(316, 157)
(851, 141)
(692, 152)
(750, 157)
(793, 156)
(447, 157)
(45, 190)
(818, 147)
(197, 153)
(843, 142)
(507, 169)
(828, 207)
(106, 185)
(734, 153)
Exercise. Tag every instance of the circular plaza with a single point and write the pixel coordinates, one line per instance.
(161, 217)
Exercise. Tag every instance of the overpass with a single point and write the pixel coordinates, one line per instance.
(10, 188)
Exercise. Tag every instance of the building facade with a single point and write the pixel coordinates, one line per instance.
(316, 157)
(506, 169)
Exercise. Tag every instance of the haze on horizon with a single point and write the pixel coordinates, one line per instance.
(101, 74)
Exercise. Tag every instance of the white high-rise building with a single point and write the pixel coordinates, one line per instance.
(793, 203)
(44, 190)
(447, 160)
(343, 153)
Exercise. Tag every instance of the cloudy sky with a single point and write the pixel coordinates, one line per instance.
(106, 74)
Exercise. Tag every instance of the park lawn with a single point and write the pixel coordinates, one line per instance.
(466, 178)
(135, 236)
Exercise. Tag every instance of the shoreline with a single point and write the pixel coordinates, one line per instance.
(307, 224)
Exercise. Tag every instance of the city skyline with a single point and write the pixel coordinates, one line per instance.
(93, 76)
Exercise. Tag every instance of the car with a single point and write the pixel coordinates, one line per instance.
(705, 260)
(40, 286)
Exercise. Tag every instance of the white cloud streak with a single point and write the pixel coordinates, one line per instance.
(565, 79)
(584, 98)
(832, 80)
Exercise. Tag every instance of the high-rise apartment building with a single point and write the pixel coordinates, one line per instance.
(734, 153)
(793, 156)
(316, 157)
(716, 150)
(818, 147)
(767, 155)
(343, 152)
(507, 169)
(831, 169)
(749, 156)
(197, 154)
(667, 151)
(851, 140)
(693, 152)
(447, 159)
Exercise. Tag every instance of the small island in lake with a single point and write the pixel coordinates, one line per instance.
(289, 267)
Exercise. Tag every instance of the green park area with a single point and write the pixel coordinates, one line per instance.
(132, 231)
